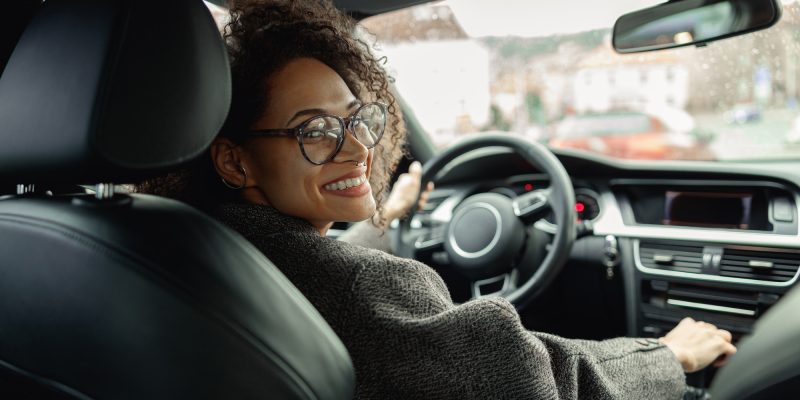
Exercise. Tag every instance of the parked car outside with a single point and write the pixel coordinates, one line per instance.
(629, 135)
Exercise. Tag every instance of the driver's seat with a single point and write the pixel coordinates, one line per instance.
(134, 296)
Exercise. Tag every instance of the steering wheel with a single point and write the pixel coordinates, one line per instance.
(489, 238)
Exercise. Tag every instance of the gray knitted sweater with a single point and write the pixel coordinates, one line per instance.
(409, 341)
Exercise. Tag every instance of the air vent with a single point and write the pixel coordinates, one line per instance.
(672, 257)
(773, 266)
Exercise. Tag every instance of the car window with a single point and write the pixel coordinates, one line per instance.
(546, 72)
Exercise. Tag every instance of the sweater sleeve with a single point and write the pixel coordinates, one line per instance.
(421, 345)
(367, 235)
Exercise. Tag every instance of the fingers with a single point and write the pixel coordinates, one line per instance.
(698, 344)
(730, 349)
(722, 333)
(727, 351)
(411, 178)
(405, 179)
(415, 169)
(405, 191)
(725, 335)
(686, 322)
(423, 197)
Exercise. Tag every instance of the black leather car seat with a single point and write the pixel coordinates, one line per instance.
(114, 296)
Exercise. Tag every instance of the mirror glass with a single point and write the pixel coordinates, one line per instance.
(686, 22)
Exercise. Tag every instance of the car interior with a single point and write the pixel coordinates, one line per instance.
(111, 294)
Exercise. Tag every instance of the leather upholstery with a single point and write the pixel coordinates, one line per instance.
(144, 297)
(111, 90)
(13, 20)
(136, 296)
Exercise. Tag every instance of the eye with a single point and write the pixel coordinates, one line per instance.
(313, 136)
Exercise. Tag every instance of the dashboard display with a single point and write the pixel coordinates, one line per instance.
(730, 210)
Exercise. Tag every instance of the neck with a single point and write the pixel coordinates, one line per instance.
(322, 227)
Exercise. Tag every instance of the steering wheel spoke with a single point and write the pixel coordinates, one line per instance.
(532, 206)
(494, 286)
(431, 240)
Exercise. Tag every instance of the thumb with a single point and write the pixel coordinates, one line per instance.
(415, 169)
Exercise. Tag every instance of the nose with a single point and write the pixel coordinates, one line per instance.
(352, 149)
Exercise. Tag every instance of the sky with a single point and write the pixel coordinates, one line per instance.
(540, 17)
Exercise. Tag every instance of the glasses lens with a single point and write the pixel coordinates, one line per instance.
(320, 138)
(369, 124)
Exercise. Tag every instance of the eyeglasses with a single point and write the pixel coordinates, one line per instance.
(321, 137)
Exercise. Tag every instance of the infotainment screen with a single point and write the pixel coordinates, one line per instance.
(708, 209)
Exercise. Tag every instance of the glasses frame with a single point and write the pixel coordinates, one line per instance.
(298, 131)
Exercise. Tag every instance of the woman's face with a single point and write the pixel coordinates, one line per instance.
(280, 176)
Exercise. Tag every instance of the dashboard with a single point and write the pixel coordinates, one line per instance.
(712, 241)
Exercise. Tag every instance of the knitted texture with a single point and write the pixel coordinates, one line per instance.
(408, 340)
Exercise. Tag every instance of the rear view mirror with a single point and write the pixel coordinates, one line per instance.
(691, 22)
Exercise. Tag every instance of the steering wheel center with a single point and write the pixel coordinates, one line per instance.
(484, 236)
(476, 230)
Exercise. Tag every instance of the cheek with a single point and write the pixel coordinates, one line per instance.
(297, 184)
(286, 178)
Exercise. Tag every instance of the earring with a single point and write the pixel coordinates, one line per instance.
(244, 180)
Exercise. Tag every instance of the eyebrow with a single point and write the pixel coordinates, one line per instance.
(317, 111)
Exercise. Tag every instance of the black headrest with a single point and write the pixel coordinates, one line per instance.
(111, 91)
(15, 16)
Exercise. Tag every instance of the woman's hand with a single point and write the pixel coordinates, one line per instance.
(405, 191)
(696, 344)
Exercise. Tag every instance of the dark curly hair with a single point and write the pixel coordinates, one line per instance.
(262, 37)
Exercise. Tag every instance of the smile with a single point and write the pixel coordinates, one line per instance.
(347, 183)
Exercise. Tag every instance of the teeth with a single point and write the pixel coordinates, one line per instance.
(347, 183)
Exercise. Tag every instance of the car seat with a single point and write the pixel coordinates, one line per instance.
(112, 295)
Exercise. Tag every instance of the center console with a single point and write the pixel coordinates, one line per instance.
(721, 252)
(728, 285)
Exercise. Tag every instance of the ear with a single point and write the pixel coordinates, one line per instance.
(227, 160)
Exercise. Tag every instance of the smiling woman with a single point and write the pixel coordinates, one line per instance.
(314, 68)
(320, 186)
(308, 142)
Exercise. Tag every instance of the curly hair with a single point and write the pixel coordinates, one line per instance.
(262, 37)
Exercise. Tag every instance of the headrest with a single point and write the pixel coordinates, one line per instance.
(111, 91)
(15, 16)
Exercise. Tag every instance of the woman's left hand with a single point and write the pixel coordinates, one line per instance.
(404, 192)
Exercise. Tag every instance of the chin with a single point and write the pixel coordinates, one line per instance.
(359, 214)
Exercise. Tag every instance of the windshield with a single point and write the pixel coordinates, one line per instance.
(546, 71)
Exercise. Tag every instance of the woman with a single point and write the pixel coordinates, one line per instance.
(311, 138)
